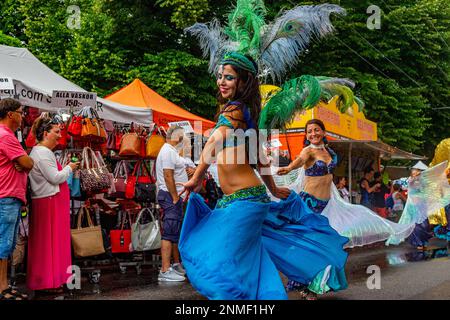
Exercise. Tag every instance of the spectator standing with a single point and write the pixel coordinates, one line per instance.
(49, 246)
(170, 174)
(399, 201)
(341, 183)
(379, 196)
(366, 189)
(14, 167)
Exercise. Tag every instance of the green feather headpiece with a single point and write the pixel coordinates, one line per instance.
(239, 60)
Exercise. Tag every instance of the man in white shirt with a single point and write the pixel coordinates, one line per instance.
(170, 172)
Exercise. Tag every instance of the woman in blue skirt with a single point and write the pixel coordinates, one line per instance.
(236, 250)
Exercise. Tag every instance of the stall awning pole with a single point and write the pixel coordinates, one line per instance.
(350, 171)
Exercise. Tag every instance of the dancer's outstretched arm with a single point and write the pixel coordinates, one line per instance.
(214, 142)
(279, 192)
(297, 163)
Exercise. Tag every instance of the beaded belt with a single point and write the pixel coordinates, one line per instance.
(256, 194)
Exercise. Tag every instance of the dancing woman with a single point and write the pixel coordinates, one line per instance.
(234, 251)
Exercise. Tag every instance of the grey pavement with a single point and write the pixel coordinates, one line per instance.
(405, 273)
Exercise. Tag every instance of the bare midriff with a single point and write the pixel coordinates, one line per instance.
(234, 171)
(319, 187)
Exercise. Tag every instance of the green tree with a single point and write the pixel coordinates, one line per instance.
(179, 77)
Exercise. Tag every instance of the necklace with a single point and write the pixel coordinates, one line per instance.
(320, 146)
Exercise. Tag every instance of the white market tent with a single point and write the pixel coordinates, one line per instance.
(34, 83)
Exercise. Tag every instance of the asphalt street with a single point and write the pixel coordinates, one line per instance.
(373, 272)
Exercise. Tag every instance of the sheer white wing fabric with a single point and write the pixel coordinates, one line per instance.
(361, 225)
(426, 194)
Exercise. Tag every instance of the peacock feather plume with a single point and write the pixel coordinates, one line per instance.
(245, 25)
(304, 93)
(342, 88)
(295, 95)
(290, 34)
(276, 47)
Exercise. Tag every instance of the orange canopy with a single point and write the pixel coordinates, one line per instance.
(137, 94)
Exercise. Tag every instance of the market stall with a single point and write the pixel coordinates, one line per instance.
(138, 94)
(33, 84)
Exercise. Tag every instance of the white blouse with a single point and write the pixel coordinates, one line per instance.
(45, 177)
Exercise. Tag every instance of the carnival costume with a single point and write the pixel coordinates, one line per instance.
(427, 193)
(235, 250)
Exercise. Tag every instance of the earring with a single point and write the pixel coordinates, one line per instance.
(307, 142)
(325, 140)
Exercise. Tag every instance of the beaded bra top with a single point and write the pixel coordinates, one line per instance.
(321, 168)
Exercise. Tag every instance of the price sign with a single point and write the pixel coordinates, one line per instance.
(186, 125)
(73, 100)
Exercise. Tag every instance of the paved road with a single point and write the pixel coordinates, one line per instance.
(405, 274)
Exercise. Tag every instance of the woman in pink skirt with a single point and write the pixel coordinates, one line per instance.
(49, 247)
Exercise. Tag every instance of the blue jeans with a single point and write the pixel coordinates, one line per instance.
(9, 225)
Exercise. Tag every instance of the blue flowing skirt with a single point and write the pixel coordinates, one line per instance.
(235, 251)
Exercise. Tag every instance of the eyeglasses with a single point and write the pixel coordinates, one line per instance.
(22, 113)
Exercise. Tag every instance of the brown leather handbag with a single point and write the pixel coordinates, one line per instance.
(88, 241)
(130, 145)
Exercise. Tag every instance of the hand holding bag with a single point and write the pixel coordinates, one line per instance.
(88, 241)
(145, 236)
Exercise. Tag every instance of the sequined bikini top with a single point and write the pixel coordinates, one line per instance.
(321, 168)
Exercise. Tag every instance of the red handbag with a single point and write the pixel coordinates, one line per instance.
(121, 239)
(30, 141)
(136, 178)
(75, 126)
(62, 142)
(118, 138)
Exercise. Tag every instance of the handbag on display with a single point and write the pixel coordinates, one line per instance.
(102, 163)
(95, 179)
(154, 144)
(141, 186)
(86, 242)
(145, 236)
(111, 140)
(118, 138)
(75, 125)
(30, 141)
(92, 126)
(120, 180)
(121, 239)
(130, 145)
(62, 142)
